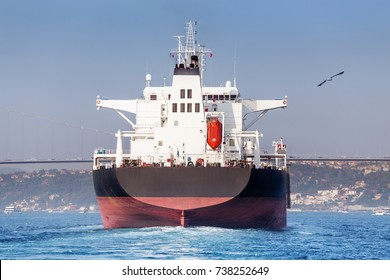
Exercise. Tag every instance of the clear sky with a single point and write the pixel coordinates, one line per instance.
(57, 56)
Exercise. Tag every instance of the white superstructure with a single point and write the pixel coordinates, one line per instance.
(171, 122)
(12, 209)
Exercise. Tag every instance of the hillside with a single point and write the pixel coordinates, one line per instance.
(340, 185)
(47, 189)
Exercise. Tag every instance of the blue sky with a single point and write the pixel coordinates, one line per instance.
(57, 56)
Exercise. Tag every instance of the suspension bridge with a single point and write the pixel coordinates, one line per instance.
(30, 138)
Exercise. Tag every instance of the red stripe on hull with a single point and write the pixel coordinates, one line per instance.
(246, 212)
(183, 203)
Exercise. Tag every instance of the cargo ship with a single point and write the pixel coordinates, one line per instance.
(189, 157)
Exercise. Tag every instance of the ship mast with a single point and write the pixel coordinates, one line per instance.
(184, 53)
(190, 40)
(179, 51)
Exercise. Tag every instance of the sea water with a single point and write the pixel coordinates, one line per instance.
(81, 236)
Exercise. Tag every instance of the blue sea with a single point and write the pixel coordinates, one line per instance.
(81, 236)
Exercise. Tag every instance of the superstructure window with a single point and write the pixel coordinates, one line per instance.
(174, 107)
(231, 142)
(182, 107)
(189, 107)
(189, 93)
(197, 107)
(182, 93)
(153, 97)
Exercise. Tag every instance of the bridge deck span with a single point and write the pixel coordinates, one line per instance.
(289, 159)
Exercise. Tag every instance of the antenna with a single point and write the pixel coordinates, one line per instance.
(234, 66)
(179, 50)
(190, 40)
(191, 48)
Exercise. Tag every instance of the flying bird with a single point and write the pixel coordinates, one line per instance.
(330, 78)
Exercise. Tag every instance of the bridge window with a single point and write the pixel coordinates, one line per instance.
(182, 93)
(189, 93)
(153, 97)
(197, 107)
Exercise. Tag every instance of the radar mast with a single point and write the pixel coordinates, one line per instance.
(191, 48)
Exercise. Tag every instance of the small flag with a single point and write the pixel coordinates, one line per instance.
(211, 55)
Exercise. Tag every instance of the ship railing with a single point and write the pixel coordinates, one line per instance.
(106, 159)
(103, 160)
(273, 161)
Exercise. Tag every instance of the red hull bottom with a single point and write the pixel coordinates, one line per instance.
(240, 212)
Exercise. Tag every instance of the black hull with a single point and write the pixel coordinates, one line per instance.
(205, 196)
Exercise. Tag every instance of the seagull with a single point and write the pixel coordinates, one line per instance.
(330, 78)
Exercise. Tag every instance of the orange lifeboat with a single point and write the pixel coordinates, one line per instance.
(214, 133)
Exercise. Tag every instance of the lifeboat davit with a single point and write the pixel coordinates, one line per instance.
(214, 133)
